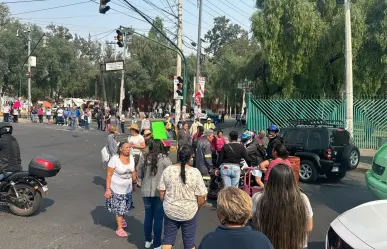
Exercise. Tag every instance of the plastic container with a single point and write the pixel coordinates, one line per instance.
(44, 166)
(295, 162)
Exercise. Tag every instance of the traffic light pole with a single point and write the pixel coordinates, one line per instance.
(178, 49)
(122, 93)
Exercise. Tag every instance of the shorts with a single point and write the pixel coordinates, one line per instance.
(256, 173)
(188, 230)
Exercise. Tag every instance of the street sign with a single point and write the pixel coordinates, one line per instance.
(114, 66)
(29, 75)
(32, 61)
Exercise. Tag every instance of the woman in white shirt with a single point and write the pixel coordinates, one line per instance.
(48, 115)
(282, 212)
(120, 179)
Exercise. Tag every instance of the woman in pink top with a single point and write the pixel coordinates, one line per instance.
(219, 142)
(280, 155)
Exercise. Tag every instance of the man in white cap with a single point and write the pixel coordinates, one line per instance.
(209, 125)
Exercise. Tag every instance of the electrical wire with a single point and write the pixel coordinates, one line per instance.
(24, 1)
(246, 4)
(57, 7)
(233, 7)
(226, 14)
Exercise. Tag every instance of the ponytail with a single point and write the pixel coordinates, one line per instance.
(185, 154)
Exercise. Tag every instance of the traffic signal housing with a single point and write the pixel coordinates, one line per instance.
(120, 38)
(180, 86)
(103, 7)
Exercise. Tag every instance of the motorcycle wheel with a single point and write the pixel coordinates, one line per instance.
(32, 197)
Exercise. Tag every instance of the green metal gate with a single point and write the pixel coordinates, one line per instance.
(370, 115)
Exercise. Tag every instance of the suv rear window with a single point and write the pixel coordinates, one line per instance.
(339, 137)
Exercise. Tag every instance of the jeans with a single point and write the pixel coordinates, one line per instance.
(33, 117)
(154, 214)
(6, 116)
(73, 123)
(87, 126)
(122, 128)
(231, 174)
(99, 121)
(5, 175)
(188, 231)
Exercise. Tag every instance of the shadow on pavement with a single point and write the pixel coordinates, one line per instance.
(366, 159)
(46, 203)
(99, 181)
(135, 229)
(316, 245)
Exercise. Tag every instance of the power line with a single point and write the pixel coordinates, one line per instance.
(225, 13)
(246, 4)
(25, 1)
(57, 7)
(234, 7)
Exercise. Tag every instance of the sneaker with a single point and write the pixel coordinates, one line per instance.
(148, 244)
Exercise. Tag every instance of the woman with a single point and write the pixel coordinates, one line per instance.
(40, 115)
(151, 167)
(183, 192)
(111, 142)
(229, 162)
(145, 124)
(120, 179)
(48, 115)
(87, 119)
(280, 156)
(282, 212)
(234, 211)
(107, 121)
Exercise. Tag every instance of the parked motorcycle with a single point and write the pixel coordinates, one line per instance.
(23, 191)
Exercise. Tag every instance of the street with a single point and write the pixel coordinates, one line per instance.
(73, 214)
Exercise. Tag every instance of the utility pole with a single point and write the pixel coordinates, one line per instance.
(122, 90)
(179, 45)
(29, 67)
(96, 88)
(199, 52)
(103, 85)
(348, 68)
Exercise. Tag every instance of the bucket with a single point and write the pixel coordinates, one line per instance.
(295, 163)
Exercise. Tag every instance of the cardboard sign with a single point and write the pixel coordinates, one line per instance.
(158, 130)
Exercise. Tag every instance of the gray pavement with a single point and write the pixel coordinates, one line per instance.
(73, 214)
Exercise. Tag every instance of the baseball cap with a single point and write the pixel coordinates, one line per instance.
(208, 119)
(166, 115)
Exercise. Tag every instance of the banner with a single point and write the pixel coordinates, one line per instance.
(177, 89)
(199, 88)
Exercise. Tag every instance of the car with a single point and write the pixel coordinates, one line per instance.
(361, 227)
(207, 113)
(324, 148)
(376, 177)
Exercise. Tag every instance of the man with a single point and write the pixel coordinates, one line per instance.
(209, 125)
(7, 109)
(194, 127)
(262, 140)
(60, 118)
(274, 139)
(203, 156)
(10, 160)
(73, 116)
(184, 138)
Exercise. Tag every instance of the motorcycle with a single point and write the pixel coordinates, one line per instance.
(23, 191)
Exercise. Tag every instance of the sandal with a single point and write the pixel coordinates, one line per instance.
(122, 233)
(124, 224)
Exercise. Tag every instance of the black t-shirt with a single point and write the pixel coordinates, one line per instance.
(233, 153)
(232, 238)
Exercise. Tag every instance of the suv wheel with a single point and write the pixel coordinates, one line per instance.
(351, 157)
(308, 171)
(336, 176)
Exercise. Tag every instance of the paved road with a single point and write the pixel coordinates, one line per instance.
(73, 215)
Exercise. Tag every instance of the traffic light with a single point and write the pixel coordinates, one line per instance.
(120, 38)
(180, 86)
(103, 8)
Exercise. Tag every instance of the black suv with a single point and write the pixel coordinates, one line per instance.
(323, 147)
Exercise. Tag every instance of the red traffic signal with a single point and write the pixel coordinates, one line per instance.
(103, 8)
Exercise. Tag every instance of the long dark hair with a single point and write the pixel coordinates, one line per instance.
(200, 131)
(155, 148)
(281, 151)
(185, 154)
(281, 211)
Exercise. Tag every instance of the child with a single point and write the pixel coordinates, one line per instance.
(257, 173)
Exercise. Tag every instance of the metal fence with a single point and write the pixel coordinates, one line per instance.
(370, 115)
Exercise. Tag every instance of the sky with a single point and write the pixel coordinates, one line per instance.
(82, 16)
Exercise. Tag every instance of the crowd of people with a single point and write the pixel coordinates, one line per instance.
(280, 216)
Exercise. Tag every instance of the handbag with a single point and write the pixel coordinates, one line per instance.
(105, 154)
